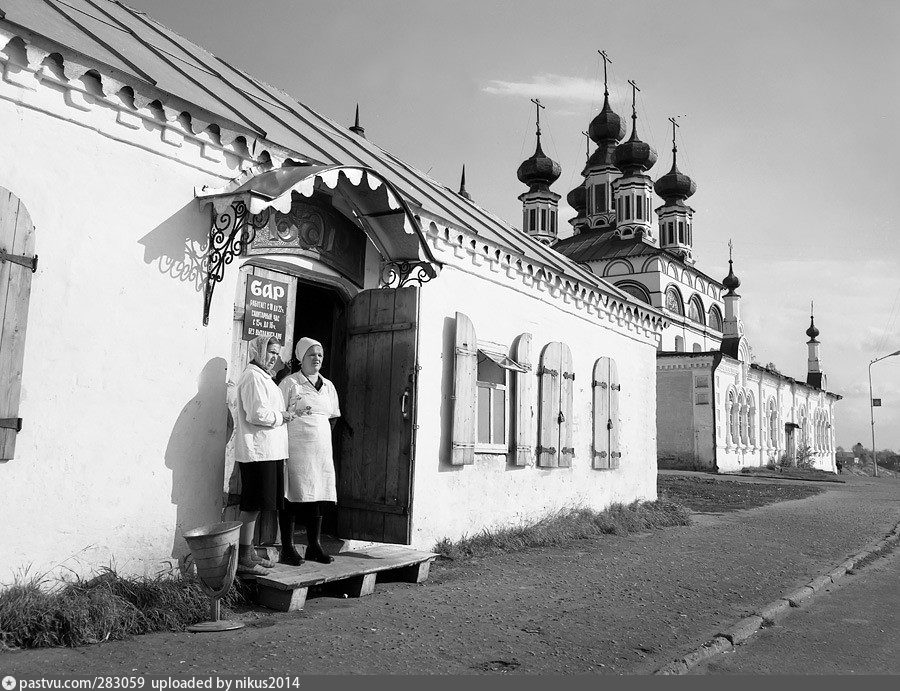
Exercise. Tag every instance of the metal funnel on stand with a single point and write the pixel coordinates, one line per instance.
(214, 549)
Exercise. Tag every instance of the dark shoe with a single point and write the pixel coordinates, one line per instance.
(289, 553)
(314, 551)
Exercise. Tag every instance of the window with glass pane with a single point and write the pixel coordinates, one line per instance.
(492, 404)
(600, 203)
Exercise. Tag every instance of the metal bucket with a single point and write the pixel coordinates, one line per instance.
(212, 547)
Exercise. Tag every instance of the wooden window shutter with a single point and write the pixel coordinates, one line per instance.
(524, 417)
(566, 393)
(615, 388)
(465, 370)
(607, 453)
(17, 264)
(548, 432)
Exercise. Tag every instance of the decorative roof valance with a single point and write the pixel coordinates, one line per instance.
(358, 192)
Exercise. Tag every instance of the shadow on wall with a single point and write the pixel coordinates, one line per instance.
(178, 245)
(196, 456)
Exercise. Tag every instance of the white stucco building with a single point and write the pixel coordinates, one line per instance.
(177, 206)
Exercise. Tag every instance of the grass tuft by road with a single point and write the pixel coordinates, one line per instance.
(563, 527)
(36, 612)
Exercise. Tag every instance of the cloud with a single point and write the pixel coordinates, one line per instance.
(550, 86)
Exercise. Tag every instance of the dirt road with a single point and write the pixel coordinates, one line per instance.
(611, 605)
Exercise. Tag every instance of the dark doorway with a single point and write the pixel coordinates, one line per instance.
(321, 314)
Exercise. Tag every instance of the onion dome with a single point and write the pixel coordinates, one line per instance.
(731, 281)
(606, 125)
(540, 171)
(675, 185)
(577, 199)
(634, 156)
(812, 331)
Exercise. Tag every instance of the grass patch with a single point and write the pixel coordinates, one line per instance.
(564, 526)
(708, 495)
(105, 607)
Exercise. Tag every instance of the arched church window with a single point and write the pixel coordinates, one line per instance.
(673, 301)
(695, 310)
(731, 429)
(715, 318)
(635, 290)
(751, 420)
(679, 344)
(773, 424)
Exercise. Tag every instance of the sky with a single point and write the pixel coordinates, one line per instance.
(789, 119)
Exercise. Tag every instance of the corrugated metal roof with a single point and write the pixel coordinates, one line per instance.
(146, 51)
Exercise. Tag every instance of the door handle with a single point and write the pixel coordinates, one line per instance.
(404, 404)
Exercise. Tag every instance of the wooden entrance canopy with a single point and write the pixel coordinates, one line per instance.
(358, 192)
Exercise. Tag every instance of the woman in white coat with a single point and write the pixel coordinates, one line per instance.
(261, 445)
(309, 479)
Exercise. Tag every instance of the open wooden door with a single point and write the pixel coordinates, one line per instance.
(375, 465)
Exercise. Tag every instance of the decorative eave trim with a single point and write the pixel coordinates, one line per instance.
(30, 62)
(458, 247)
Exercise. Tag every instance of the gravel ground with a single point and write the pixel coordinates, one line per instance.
(609, 605)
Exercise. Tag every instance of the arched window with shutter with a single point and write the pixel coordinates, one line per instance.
(557, 379)
(17, 264)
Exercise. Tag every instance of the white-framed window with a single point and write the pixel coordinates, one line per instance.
(492, 386)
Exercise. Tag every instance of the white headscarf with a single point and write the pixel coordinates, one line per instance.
(303, 346)
(258, 348)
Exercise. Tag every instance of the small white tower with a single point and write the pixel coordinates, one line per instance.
(734, 327)
(600, 171)
(814, 375)
(539, 203)
(676, 217)
(633, 191)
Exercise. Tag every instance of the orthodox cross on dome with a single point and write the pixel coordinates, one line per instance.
(538, 106)
(634, 90)
(730, 248)
(605, 60)
(674, 146)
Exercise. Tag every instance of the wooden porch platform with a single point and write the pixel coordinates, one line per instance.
(354, 574)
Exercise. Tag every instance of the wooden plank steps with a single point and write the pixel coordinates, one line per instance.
(284, 588)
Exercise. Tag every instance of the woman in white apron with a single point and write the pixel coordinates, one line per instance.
(309, 478)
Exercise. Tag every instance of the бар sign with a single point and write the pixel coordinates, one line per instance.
(265, 308)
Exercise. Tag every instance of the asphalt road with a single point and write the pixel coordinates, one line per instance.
(853, 628)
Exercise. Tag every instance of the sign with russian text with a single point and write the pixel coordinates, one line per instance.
(265, 308)
(876, 402)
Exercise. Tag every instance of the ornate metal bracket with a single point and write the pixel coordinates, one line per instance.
(229, 236)
(402, 273)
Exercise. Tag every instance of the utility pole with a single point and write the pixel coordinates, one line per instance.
(872, 410)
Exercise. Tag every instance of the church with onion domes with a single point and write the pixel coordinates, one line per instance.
(716, 407)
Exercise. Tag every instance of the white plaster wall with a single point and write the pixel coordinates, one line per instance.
(452, 501)
(684, 413)
(790, 398)
(123, 388)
